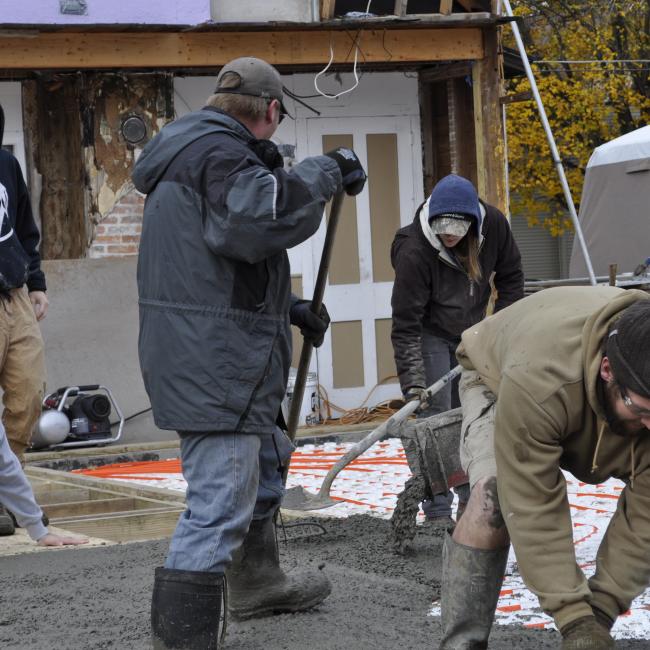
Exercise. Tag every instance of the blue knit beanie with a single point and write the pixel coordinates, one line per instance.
(455, 195)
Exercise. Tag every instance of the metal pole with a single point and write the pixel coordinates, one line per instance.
(551, 141)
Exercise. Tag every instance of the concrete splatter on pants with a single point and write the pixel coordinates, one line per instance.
(439, 357)
(22, 369)
(477, 432)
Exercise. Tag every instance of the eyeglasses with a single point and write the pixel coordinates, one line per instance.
(637, 410)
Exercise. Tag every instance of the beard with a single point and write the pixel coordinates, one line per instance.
(616, 424)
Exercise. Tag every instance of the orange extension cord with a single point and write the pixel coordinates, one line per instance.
(362, 413)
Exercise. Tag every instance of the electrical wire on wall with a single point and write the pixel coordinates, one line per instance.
(357, 49)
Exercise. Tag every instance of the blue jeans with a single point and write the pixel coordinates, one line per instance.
(438, 355)
(232, 478)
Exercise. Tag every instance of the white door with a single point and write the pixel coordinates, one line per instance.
(357, 353)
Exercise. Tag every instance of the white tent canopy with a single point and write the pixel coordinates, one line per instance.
(615, 206)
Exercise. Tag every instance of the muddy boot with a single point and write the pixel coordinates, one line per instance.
(7, 526)
(257, 586)
(471, 583)
(186, 610)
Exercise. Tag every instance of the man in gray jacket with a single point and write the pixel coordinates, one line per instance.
(215, 342)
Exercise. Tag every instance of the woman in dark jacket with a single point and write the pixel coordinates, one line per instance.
(444, 263)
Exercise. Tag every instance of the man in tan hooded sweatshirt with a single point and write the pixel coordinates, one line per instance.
(559, 380)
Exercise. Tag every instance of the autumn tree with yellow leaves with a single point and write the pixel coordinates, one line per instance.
(591, 62)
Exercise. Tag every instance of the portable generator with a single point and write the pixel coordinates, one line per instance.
(77, 416)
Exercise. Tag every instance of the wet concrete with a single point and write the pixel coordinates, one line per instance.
(89, 599)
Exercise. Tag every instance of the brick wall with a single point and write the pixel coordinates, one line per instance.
(118, 233)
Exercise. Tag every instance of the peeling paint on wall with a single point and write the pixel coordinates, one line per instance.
(111, 99)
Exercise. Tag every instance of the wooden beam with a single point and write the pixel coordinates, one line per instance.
(161, 50)
(444, 72)
(471, 5)
(327, 9)
(400, 7)
(513, 98)
(446, 7)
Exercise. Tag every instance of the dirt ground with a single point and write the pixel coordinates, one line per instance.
(99, 598)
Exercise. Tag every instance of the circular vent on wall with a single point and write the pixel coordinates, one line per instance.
(133, 129)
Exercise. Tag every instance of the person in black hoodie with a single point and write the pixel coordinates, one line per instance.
(444, 262)
(23, 302)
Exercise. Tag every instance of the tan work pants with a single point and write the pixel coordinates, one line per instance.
(477, 457)
(22, 369)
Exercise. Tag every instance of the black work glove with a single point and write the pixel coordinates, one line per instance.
(312, 326)
(354, 177)
(586, 633)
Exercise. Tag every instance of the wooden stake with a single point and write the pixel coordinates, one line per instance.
(613, 271)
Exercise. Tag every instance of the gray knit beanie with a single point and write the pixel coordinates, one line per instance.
(628, 348)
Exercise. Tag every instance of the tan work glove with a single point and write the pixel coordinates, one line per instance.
(586, 633)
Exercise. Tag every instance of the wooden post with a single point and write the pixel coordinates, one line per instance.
(445, 6)
(400, 7)
(613, 270)
(327, 9)
(490, 149)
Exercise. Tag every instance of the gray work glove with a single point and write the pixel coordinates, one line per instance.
(586, 633)
(416, 392)
(352, 172)
(312, 326)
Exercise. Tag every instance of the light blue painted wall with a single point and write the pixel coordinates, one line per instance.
(160, 12)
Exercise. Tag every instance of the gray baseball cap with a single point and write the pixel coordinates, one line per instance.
(258, 79)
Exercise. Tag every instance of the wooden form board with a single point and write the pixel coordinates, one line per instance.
(79, 50)
(102, 509)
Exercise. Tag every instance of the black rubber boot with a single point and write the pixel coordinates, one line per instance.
(257, 586)
(186, 610)
(7, 526)
(471, 583)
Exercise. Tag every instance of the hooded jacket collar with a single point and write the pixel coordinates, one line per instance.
(173, 138)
